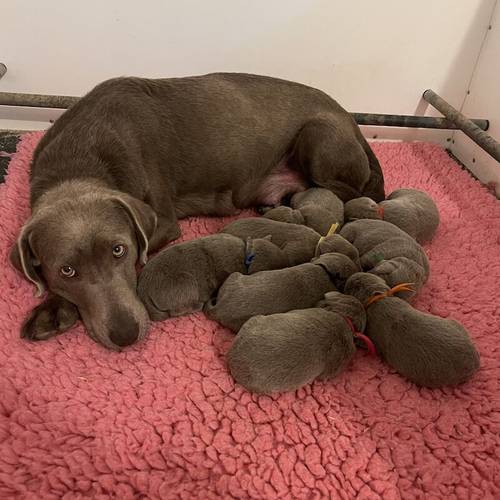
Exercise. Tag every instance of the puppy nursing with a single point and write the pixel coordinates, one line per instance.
(428, 350)
(297, 299)
(282, 352)
(411, 210)
(316, 208)
(183, 277)
(269, 292)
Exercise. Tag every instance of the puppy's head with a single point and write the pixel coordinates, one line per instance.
(364, 285)
(337, 244)
(168, 284)
(338, 266)
(86, 250)
(347, 306)
(362, 208)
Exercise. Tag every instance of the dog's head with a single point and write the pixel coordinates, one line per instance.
(86, 250)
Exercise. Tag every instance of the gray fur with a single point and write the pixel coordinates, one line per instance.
(411, 210)
(104, 288)
(316, 208)
(427, 350)
(292, 244)
(276, 244)
(320, 208)
(268, 292)
(183, 277)
(282, 352)
(170, 148)
(378, 243)
(285, 214)
(338, 244)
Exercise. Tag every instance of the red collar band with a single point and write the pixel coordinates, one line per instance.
(380, 211)
(358, 335)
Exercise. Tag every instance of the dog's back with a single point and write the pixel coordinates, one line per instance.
(140, 135)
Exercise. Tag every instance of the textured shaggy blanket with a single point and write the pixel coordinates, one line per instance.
(164, 419)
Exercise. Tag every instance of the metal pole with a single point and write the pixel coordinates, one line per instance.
(484, 140)
(37, 100)
(63, 102)
(411, 121)
(3, 70)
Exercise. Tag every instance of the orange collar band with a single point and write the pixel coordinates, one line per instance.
(402, 287)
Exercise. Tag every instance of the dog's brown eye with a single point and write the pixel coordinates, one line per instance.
(68, 271)
(119, 251)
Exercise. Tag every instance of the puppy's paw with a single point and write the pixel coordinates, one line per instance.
(53, 316)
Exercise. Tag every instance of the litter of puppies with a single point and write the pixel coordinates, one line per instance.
(302, 294)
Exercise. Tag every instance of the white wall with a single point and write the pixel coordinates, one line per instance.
(483, 101)
(371, 56)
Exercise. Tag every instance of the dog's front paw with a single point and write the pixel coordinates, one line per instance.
(53, 316)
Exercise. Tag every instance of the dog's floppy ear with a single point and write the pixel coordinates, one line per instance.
(24, 260)
(144, 219)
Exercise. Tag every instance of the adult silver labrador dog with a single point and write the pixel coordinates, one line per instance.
(113, 175)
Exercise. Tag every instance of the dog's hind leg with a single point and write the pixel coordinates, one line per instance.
(327, 151)
(374, 188)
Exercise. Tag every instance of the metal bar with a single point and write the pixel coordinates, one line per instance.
(411, 121)
(480, 137)
(3, 70)
(13, 131)
(37, 100)
(63, 102)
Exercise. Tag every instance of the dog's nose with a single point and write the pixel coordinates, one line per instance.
(124, 336)
(124, 330)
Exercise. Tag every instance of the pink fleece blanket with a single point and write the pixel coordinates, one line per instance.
(164, 419)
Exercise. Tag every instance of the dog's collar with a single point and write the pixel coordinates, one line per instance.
(249, 257)
(332, 230)
(361, 336)
(402, 287)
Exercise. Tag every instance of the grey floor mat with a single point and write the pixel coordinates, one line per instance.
(8, 144)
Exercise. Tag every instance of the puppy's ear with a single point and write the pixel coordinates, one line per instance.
(338, 267)
(24, 260)
(143, 218)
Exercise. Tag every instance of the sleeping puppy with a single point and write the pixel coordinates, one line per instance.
(269, 292)
(284, 351)
(411, 210)
(382, 249)
(113, 175)
(320, 208)
(316, 208)
(291, 244)
(183, 277)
